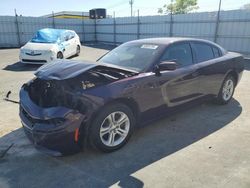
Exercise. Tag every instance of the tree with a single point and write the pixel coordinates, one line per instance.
(179, 7)
(246, 6)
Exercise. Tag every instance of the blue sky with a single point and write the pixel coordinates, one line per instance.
(121, 7)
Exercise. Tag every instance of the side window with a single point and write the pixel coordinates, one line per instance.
(65, 36)
(180, 53)
(203, 52)
(72, 35)
(216, 52)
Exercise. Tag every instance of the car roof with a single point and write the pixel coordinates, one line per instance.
(165, 41)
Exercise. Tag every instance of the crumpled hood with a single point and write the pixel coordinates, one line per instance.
(64, 69)
(39, 46)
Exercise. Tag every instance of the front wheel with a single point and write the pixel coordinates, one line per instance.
(227, 90)
(112, 127)
(59, 55)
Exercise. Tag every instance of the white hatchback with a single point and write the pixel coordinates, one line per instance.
(50, 44)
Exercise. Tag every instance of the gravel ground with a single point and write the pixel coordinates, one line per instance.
(206, 146)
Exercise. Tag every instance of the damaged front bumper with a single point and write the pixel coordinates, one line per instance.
(54, 130)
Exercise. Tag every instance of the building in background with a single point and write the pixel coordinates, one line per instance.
(69, 15)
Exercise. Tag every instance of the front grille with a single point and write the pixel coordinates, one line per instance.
(33, 60)
(32, 54)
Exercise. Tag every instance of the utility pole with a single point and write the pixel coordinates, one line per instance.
(17, 30)
(131, 2)
(217, 23)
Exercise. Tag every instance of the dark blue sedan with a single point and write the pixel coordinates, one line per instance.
(71, 104)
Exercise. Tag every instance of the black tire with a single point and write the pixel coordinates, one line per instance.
(59, 55)
(220, 99)
(94, 136)
(78, 50)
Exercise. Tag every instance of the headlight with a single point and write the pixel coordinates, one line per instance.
(51, 52)
(21, 50)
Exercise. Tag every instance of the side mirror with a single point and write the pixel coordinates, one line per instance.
(168, 65)
(165, 66)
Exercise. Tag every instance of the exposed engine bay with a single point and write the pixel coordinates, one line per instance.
(67, 92)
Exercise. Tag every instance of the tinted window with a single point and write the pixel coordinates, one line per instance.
(203, 52)
(180, 53)
(216, 52)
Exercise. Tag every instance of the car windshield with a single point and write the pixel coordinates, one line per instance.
(46, 36)
(137, 57)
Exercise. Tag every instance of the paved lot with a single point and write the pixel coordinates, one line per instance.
(206, 146)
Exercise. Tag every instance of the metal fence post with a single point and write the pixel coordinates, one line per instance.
(138, 24)
(114, 35)
(171, 25)
(17, 29)
(95, 27)
(95, 32)
(83, 34)
(171, 20)
(217, 23)
(53, 21)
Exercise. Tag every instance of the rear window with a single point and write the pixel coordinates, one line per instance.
(203, 52)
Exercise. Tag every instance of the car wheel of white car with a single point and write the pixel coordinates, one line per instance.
(59, 55)
(78, 50)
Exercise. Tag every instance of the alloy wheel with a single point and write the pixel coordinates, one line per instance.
(114, 129)
(227, 90)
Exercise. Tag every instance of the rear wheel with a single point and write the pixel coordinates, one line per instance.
(227, 90)
(112, 127)
(59, 55)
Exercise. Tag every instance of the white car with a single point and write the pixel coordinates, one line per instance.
(50, 44)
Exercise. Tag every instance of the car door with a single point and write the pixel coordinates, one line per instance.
(65, 45)
(209, 66)
(172, 88)
(72, 42)
(181, 85)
